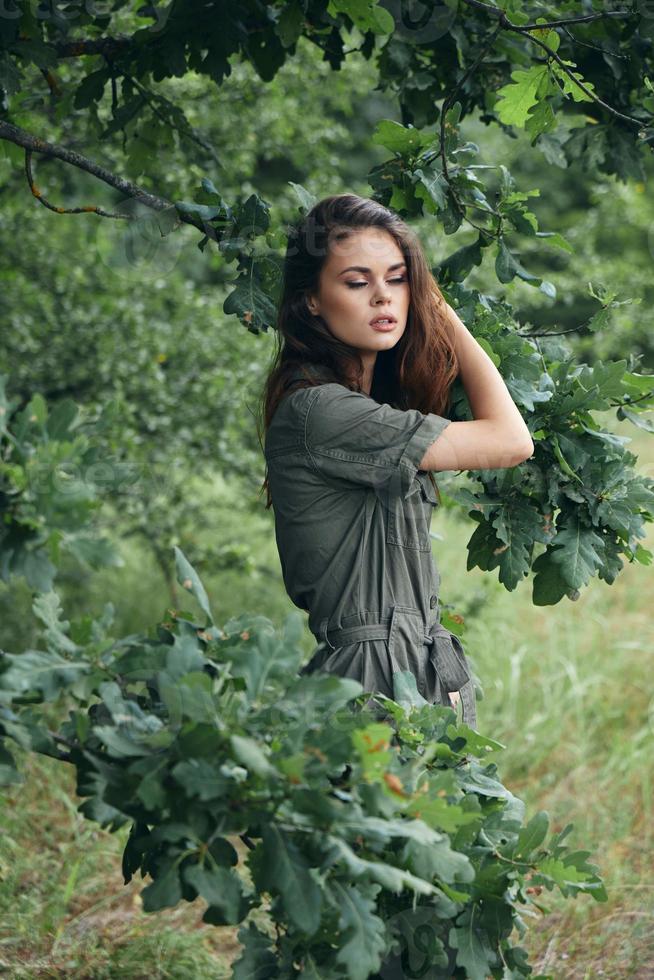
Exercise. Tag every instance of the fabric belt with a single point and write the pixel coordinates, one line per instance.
(449, 661)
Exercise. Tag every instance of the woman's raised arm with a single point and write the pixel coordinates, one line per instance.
(498, 436)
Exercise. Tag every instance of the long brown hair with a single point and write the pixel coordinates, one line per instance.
(417, 373)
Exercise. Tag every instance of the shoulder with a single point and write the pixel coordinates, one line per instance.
(333, 403)
(330, 398)
(319, 414)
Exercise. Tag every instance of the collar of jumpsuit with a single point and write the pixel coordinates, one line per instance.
(352, 520)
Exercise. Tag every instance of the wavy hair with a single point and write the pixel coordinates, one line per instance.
(416, 373)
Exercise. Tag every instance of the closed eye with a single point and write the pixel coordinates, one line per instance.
(357, 285)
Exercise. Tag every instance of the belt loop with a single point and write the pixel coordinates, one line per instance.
(322, 629)
(391, 627)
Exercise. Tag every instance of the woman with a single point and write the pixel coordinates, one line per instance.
(354, 429)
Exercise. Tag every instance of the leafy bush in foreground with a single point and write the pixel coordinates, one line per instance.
(379, 839)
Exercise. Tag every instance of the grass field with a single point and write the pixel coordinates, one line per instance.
(567, 689)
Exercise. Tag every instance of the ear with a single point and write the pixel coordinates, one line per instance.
(311, 303)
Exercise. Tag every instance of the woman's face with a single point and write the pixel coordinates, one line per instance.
(350, 297)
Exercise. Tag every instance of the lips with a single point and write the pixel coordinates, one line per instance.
(379, 320)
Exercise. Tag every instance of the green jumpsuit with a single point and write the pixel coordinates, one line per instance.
(352, 517)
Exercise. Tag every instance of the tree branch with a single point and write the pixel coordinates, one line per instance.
(14, 134)
(490, 8)
(110, 46)
(578, 20)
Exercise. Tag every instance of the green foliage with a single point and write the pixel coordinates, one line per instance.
(372, 825)
(570, 510)
(50, 475)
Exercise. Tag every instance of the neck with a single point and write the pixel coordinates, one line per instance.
(368, 358)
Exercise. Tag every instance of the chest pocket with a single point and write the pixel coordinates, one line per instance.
(408, 518)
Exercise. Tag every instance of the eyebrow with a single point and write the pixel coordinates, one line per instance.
(362, 268)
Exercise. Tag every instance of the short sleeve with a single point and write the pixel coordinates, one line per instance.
(352, 437)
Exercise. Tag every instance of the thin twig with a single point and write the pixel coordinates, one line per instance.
(37, 193)
(632, 401)
(578, 20)
(595, 47)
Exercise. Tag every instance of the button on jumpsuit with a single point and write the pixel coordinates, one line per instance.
(352, 515)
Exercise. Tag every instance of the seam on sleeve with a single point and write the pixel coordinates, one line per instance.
(304, 433)
(429, 430)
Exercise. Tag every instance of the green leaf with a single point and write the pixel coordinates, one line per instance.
(257, 960)
(33, 50)
(190, 580)
(577, 550)
(541, 119)
(469, 938)
(637, 418)
(47, 607)
(203, 211)
(555, 238)
(476, 781)
(306, 199)
(400, 139)
(507, 266)
(393, 878)
(290, 24)
(96, 552)
(280, 867)
(533, 835)
(432, 188)
(372, 743)
(405, 689)
(549, 586)
(47, 673)
(457, 265)
(250, 754)
(366, 14)
(91, 88)
(164, 892)
(200, 778)
(222, 889)
(570, 86)
(250, 301)
(438, 860)
(518, 524)
(517, 97)
(363, 935)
